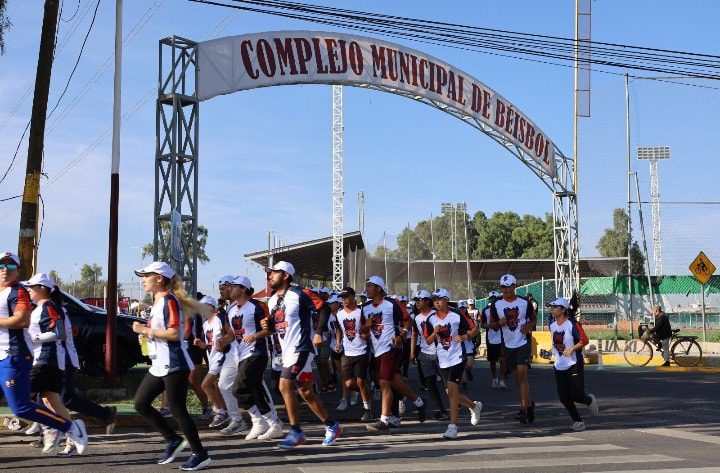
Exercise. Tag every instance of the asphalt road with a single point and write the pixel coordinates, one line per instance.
(650, 421)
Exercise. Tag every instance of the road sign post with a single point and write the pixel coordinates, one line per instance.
(703, 269)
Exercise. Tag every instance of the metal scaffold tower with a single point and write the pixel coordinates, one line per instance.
(337, 186)
(654, 154)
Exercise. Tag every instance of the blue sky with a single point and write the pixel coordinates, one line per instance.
(265, 154)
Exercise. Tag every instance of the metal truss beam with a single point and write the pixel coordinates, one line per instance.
(337, 186)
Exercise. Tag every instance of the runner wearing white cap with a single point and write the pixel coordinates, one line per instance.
(515, 316)
(336, 349)
(212, 331)
(291, 317)
(568, 340)
(388, 321)
(171, 363)
(493, 342)
(448, 330)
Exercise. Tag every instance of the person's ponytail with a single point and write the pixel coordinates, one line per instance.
(189, 305)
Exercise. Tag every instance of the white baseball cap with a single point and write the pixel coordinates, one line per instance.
(282, 266)
(441, 293)
(227, 279)
(11, 256)
(378, 281)
(157, 267)
(471, 301)
(40, 279)
(461, 304)
(494, 294)
(241, 281)
(403, 298)
(209, 301)
(363, 294)
(333, 298)
(559, 301)
(508, 280)
(423, 294)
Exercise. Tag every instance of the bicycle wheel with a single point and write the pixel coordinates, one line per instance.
(638, 352)
(686, 352)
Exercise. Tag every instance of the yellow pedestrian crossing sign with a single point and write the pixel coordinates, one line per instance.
(702, 268)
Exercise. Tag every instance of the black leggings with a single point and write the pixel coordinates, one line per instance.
(571, 389)
(405, 364)
(176, 386)
(250, 390)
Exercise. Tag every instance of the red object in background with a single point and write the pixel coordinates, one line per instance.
(123, 302)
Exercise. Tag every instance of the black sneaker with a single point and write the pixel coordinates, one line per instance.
(667, 363)
(531, 412)
(367, 416)
(522, 416)
(440, 414)
(421, 411)
(378, 426)
(197, 461)
(172, 448)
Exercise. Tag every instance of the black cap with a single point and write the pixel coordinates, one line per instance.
(347, 292)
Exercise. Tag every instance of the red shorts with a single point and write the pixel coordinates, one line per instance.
(388, 364)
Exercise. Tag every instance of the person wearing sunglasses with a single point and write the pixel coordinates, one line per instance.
(16, 356)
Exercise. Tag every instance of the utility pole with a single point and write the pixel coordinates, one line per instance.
(27, 245)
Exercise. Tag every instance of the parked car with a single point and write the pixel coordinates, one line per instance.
(89, 326)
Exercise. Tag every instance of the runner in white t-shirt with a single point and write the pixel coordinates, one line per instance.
(493, 342)
(568, 340)
(211, 333)
(516, 321)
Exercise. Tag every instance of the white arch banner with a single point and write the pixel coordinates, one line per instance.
(236, 63)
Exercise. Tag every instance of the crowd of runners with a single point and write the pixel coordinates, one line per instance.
(362, 343)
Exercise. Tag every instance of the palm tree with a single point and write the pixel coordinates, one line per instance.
(4, 24)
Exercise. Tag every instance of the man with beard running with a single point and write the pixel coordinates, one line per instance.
(291, 317)
(387, 321)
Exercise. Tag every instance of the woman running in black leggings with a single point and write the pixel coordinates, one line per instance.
(171, 364)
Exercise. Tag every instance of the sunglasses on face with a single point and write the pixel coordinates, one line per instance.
(9, 266)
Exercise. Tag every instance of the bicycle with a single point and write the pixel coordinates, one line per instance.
(684, 350)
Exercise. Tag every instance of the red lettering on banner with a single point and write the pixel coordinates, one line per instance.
(476, 100)
(486, 104)
(539, 145)
(423, 81)
(521, 135)
(499, 113)
(392, 64)
(431, 80)
(509, 119)
(530, 137)
(245, 48)
(343, 57)
(404, 67)
(546, 155)
(451, 93)
(461, 90)
(286, 56)
(332, 55)
(378, 58)
(414, 70)
(321, 68)
(304, 52)
(266, 58)
(356, 59)
(515, 125)
(441, 79)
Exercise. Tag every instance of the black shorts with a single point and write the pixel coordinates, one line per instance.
(46, 378)
(301, 370)
(453, 374)
(494, 351)
(516, 356)
(354, 366)
(335, 356)
(197, 355)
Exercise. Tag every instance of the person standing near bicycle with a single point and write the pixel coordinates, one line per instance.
(661, 333)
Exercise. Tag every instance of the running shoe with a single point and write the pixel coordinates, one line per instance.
(452, 432)
(13, 424)
(112, 422)
(274, 432)
(501, 384)
(440, 414)
(343, 405)
(172, 448)
(367, 416)
(354, 398)
(207, 413)
(401, 406)
(475, 413)
(331, 434)
(165, 411)
(378, 426)
(70, 449)
(393, 422)
(495, 383)
(234, 427)
(197, 461)
(578, 426)
(421, 411)
(258, 428)
(78, 434)
(33, 429)
(219, 419)
(594, 408)
(51, 439)
(531, 412)
(522, 416)
(293, 439)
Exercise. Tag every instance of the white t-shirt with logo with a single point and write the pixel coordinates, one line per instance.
(387, 319)
(493, 335)
(420, 323)
(350, 323)
(515, 313)
(563, 337)
(449, 351)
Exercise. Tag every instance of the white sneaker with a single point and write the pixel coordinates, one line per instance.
(401, 406)
(451, 432)
(234, 427)
(343, 405)
(258, 428)
(495, 383)
(51, 439)
(393, 421)
(501, 384)
(33, 429)
(78, 434)
(475, 413)
(594, 408)
(70, 450)
(354, 398)
(578, 426)
(274, 432)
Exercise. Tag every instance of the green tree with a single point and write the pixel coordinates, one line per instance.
(4, 24)
(147, 250)
(614, 243)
